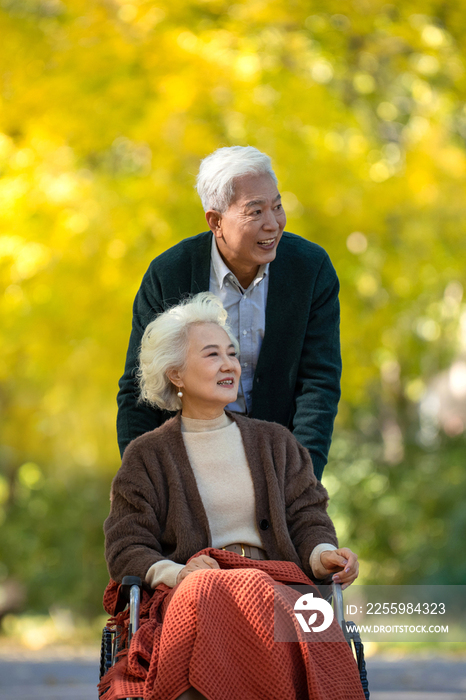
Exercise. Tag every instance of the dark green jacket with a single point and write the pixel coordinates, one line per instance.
(297, 378)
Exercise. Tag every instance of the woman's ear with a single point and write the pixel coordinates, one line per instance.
(174, 376)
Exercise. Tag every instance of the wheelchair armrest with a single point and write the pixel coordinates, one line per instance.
(338, 604)
(125, 590)
(333, 594)
(129, 581)
(129, 593)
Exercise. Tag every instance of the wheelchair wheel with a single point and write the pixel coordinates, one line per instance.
(106, 651)
(354, 636)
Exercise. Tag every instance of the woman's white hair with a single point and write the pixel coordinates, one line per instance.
(218, 171)
(164, 346)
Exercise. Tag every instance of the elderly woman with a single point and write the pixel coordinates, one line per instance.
(216, 511)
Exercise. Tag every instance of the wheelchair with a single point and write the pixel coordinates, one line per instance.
(130, 595)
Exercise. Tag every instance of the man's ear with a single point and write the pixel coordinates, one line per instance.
(214, 219)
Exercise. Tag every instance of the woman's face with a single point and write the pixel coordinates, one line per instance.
(210, 378)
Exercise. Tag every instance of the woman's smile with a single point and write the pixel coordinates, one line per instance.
(229, 382)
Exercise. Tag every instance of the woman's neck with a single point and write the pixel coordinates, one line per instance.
(196, 425)
(202, 412)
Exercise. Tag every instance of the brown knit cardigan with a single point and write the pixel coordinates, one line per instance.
(157, 512)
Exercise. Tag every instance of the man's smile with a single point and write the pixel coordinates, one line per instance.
(267, 243)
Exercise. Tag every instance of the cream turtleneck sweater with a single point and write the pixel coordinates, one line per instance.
(217, 457)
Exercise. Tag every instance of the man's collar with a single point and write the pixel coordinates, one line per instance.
(222, 272)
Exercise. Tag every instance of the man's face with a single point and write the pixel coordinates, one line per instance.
(248, 233)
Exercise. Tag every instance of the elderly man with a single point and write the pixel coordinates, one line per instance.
(281, 294)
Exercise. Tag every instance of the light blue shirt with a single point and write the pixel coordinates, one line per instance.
(246, 317)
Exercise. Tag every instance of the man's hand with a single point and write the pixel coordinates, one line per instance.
(344, 562)
(202, 562)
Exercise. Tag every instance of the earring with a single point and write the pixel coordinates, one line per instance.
(180, 394)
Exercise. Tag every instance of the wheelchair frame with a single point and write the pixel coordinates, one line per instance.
(130, 594)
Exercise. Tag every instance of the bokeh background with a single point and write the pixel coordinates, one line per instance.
(107, 108)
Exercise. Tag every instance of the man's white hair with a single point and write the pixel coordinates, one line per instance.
(218, 171)
(164, 346)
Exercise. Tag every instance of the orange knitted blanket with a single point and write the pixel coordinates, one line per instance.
(215, 632)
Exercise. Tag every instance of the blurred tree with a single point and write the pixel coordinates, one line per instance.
(106, 110)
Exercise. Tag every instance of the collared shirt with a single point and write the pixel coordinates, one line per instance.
(246, 317)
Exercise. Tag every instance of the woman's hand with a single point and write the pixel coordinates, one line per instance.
(344, 562)
(202, 562)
